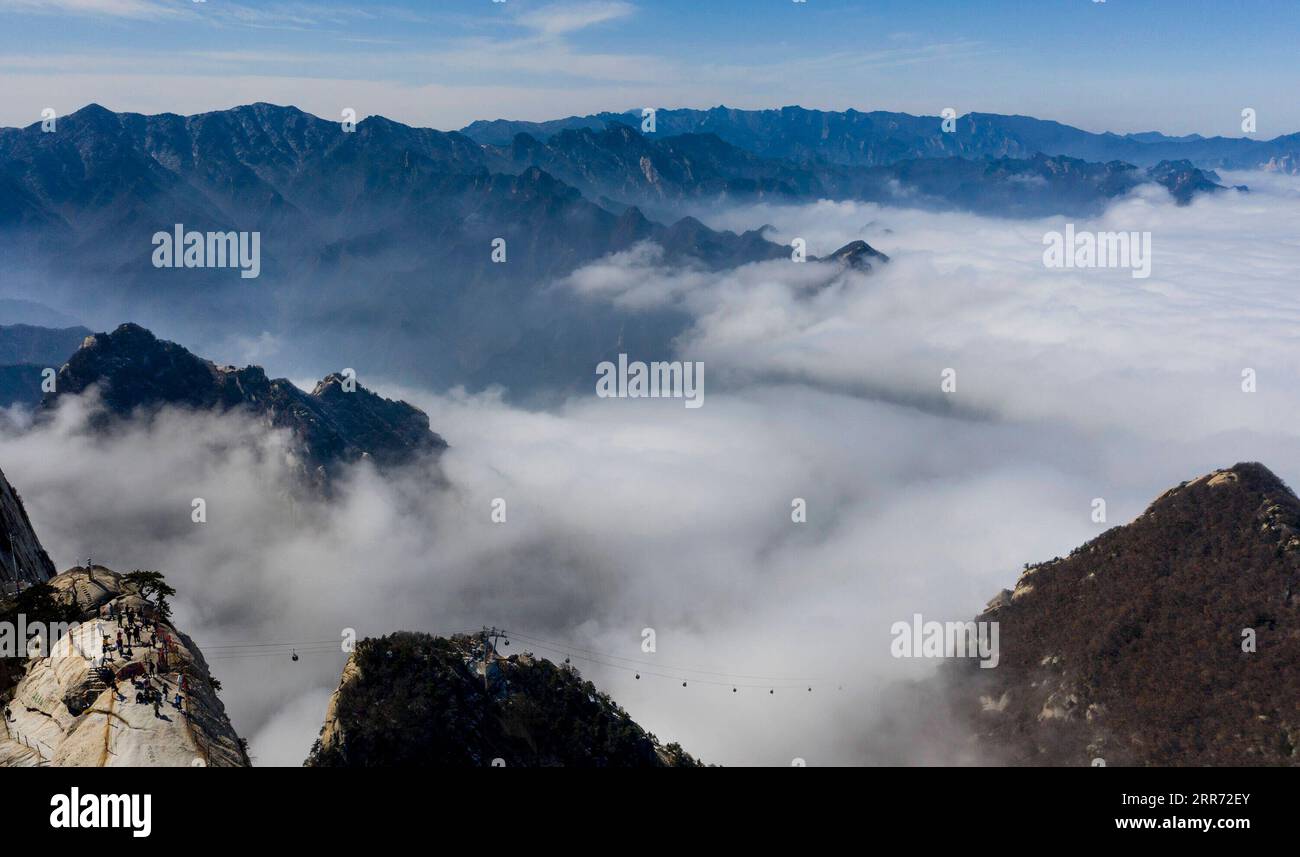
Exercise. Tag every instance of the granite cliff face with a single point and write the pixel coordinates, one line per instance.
(21, 556)
(136, 373)
(85, 702)
(1172, 640)
(411, 699)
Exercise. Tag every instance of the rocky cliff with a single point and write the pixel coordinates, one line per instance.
(21, 556)
(411, 699)
(1173, 640)
(86, 702)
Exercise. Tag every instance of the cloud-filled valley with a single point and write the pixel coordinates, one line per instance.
(822, 383)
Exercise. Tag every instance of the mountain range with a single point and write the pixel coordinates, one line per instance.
(389, 227)
(436, 254)
(880, 138)
(619, 167)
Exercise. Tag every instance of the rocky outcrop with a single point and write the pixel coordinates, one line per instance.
(21, 556)
(339, 422)
(1173, 640)
(88, 703)
(411, 699)
(332, 736)
(858, 255)
(1184, 181)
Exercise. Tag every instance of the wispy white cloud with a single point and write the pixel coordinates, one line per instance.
(283, 15)
(561, 18)
(112, 8)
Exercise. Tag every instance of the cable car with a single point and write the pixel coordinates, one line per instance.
(294, 656)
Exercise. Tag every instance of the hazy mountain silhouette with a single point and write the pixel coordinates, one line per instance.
(426, 255)
(659, 173)
(376, 245)
(879, 138)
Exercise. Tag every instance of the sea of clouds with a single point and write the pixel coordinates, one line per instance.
(625, 514)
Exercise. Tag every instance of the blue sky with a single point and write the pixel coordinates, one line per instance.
(1124, 65)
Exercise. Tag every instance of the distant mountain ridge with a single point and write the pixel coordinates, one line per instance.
(385, 227)
(433, 256)
(262, 165)
(622, 166)
(25, 343)
(26, 352)
(880, 138)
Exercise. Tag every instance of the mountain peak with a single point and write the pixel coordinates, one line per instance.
(857, 254)
(96, 118)
(1166, 641)
(411, 699)
(339, 422)
(94, 109)
(1249, 476)
(148, 701)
